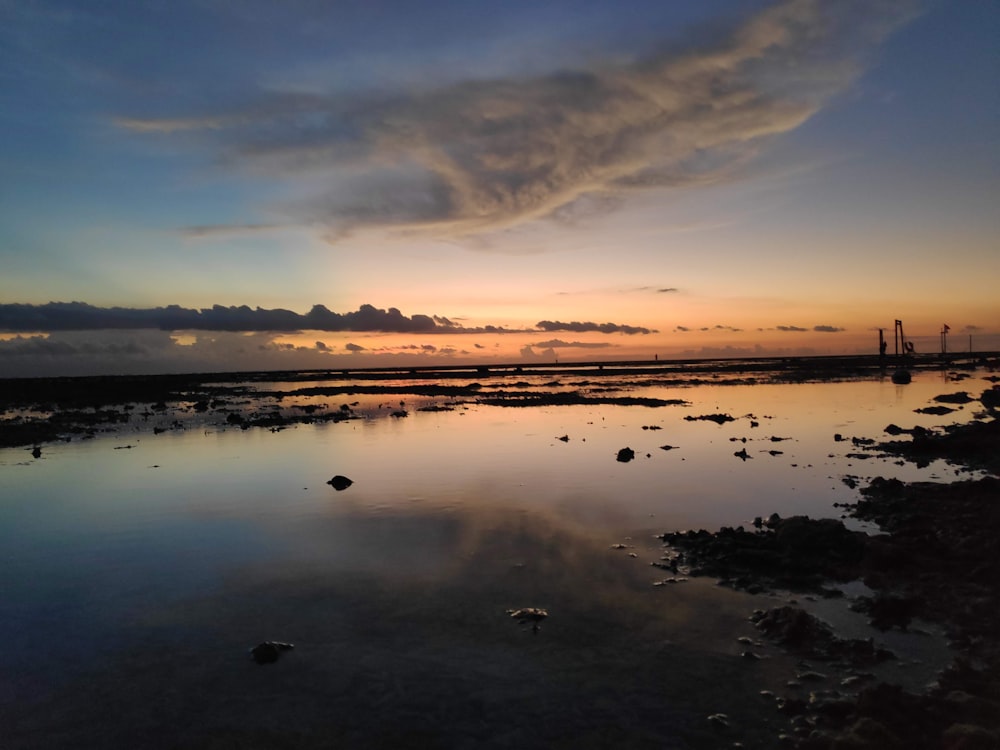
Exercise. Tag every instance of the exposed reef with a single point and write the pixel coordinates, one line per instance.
(937, 559)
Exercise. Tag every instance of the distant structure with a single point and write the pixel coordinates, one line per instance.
(944, 338)
(901, 376)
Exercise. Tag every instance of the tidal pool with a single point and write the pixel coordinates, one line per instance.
(140, 568)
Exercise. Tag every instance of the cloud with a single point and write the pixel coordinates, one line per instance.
(560, 344)
(828, 329)
(354, 347)
(142, 352)
(682, 329)
(577, 327)
(667, 290)
(79, 316)
(795, 329)
(208, 231)
(477, 155)
(528, 353)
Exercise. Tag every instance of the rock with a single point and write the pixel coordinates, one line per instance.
(564, 438)
(991, 398)
(625, 455)
(36, 452)
(667, 447)
(340, 483)
(534, 615)
(954, 398)
(269, 651)
(717, 418)
(742, 454)
(936, 411)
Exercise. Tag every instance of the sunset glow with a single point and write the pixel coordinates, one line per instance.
(600, 181)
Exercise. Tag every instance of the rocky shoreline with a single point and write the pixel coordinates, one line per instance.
(937, 560)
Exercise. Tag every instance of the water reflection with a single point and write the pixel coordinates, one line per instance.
(138, 577)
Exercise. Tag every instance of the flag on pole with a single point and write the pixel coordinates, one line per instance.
(947, 328)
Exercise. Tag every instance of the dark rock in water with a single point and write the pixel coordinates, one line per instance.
(534, 615)
(269, 651)
(954, 398)
(991, 398)
(564, 438)
(887, 611)
(742, 454)
(901, 377)
(340, 483)
(625, 455)
(937, 411)
(400, 413)
(798, 553)
(36, 452)
(717, 418)
(667, 447)
(804, 634)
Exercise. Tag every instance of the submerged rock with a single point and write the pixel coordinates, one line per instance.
(340, 483)
(269, 651)
(534, 615)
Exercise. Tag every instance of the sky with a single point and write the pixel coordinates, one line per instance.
(200, 185)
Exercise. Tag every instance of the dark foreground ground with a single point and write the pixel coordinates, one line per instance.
(937, 560)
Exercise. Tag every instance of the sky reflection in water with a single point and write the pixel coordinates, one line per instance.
(210, 542)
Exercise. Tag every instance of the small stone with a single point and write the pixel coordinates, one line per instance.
(340, 483)
(269, 651)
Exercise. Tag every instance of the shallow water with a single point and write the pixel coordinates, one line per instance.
(139, 568)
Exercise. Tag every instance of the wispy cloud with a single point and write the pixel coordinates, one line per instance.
(480, 155)
(801, 329)
(560, 344)
(578, 327)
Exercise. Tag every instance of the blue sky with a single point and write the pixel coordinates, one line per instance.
(780, 166)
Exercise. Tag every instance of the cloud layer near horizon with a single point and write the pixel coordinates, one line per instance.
(79, 316)
(478, 155)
